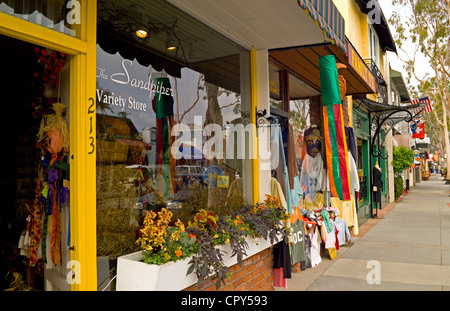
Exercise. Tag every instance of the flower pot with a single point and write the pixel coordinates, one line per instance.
(135, 275)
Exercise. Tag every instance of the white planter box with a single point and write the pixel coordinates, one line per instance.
(134, 275)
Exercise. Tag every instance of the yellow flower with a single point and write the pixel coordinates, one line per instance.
(180, 225)
(227, 241)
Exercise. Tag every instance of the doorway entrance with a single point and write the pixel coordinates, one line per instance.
(34, 218)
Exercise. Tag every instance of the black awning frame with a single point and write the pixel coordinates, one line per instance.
(383, 114)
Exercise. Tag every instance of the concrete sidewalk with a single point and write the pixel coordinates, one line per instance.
(407, 249)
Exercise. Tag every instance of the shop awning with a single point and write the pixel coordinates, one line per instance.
(426, 147)
(303, 63)
(328, 18)
(377, 107)
(397, 78)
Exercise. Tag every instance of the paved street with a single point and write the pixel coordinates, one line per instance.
(408, 249)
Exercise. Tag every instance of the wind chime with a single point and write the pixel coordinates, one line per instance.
(335, 139)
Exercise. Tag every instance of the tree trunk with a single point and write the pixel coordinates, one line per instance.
(447, 144)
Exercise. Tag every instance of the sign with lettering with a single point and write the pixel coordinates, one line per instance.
(358, 64)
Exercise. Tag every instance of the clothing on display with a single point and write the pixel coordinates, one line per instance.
(305, 264)
(315, 247)
(343, 232)
(351, 142)
(297, 246)
(291, 158)
(311, 175)
(282, 258)
(280, 173)
(377, 184)
(308, 185)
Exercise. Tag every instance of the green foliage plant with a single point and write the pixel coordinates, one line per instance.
(398, 186)
(403, 158)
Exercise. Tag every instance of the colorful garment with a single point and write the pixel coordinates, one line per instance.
(343, 232)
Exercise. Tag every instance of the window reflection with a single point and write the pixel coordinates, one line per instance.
(162, 141)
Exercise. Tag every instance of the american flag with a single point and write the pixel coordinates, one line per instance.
(422, 100)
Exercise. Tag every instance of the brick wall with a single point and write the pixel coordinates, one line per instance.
(255, 274)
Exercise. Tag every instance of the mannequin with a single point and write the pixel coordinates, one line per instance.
(377, 184)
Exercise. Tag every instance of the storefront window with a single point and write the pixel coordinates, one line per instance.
(171, 123)
(61, 16)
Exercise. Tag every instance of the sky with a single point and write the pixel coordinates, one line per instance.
(396, 63)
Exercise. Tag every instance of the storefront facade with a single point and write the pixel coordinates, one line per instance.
(162, 103)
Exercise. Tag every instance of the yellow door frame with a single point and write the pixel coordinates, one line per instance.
(82, 131)
(253, 109)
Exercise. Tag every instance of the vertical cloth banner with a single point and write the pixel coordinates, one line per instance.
(164, 124)
(334, 130)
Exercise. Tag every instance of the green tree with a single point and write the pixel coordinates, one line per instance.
(426, 24)
(402, 159)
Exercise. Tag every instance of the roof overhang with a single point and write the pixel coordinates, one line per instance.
(397, 78)
(268, 24)
(303, 63)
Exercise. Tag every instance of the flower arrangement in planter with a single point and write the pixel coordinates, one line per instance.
(162, 243)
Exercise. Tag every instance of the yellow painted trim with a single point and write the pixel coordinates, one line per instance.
(253, 109)
(83, 164)
(23, 30)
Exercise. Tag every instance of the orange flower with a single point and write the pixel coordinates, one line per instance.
(178, 253)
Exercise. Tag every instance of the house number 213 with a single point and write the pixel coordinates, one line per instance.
(91, 110)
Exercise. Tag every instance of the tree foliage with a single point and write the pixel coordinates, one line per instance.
(402, 159)
(425, 25)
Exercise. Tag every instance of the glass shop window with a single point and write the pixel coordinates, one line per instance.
(171, 102)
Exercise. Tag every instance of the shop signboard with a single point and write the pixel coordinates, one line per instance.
(358, 64)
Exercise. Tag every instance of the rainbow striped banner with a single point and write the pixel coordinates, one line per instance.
(334, 131)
